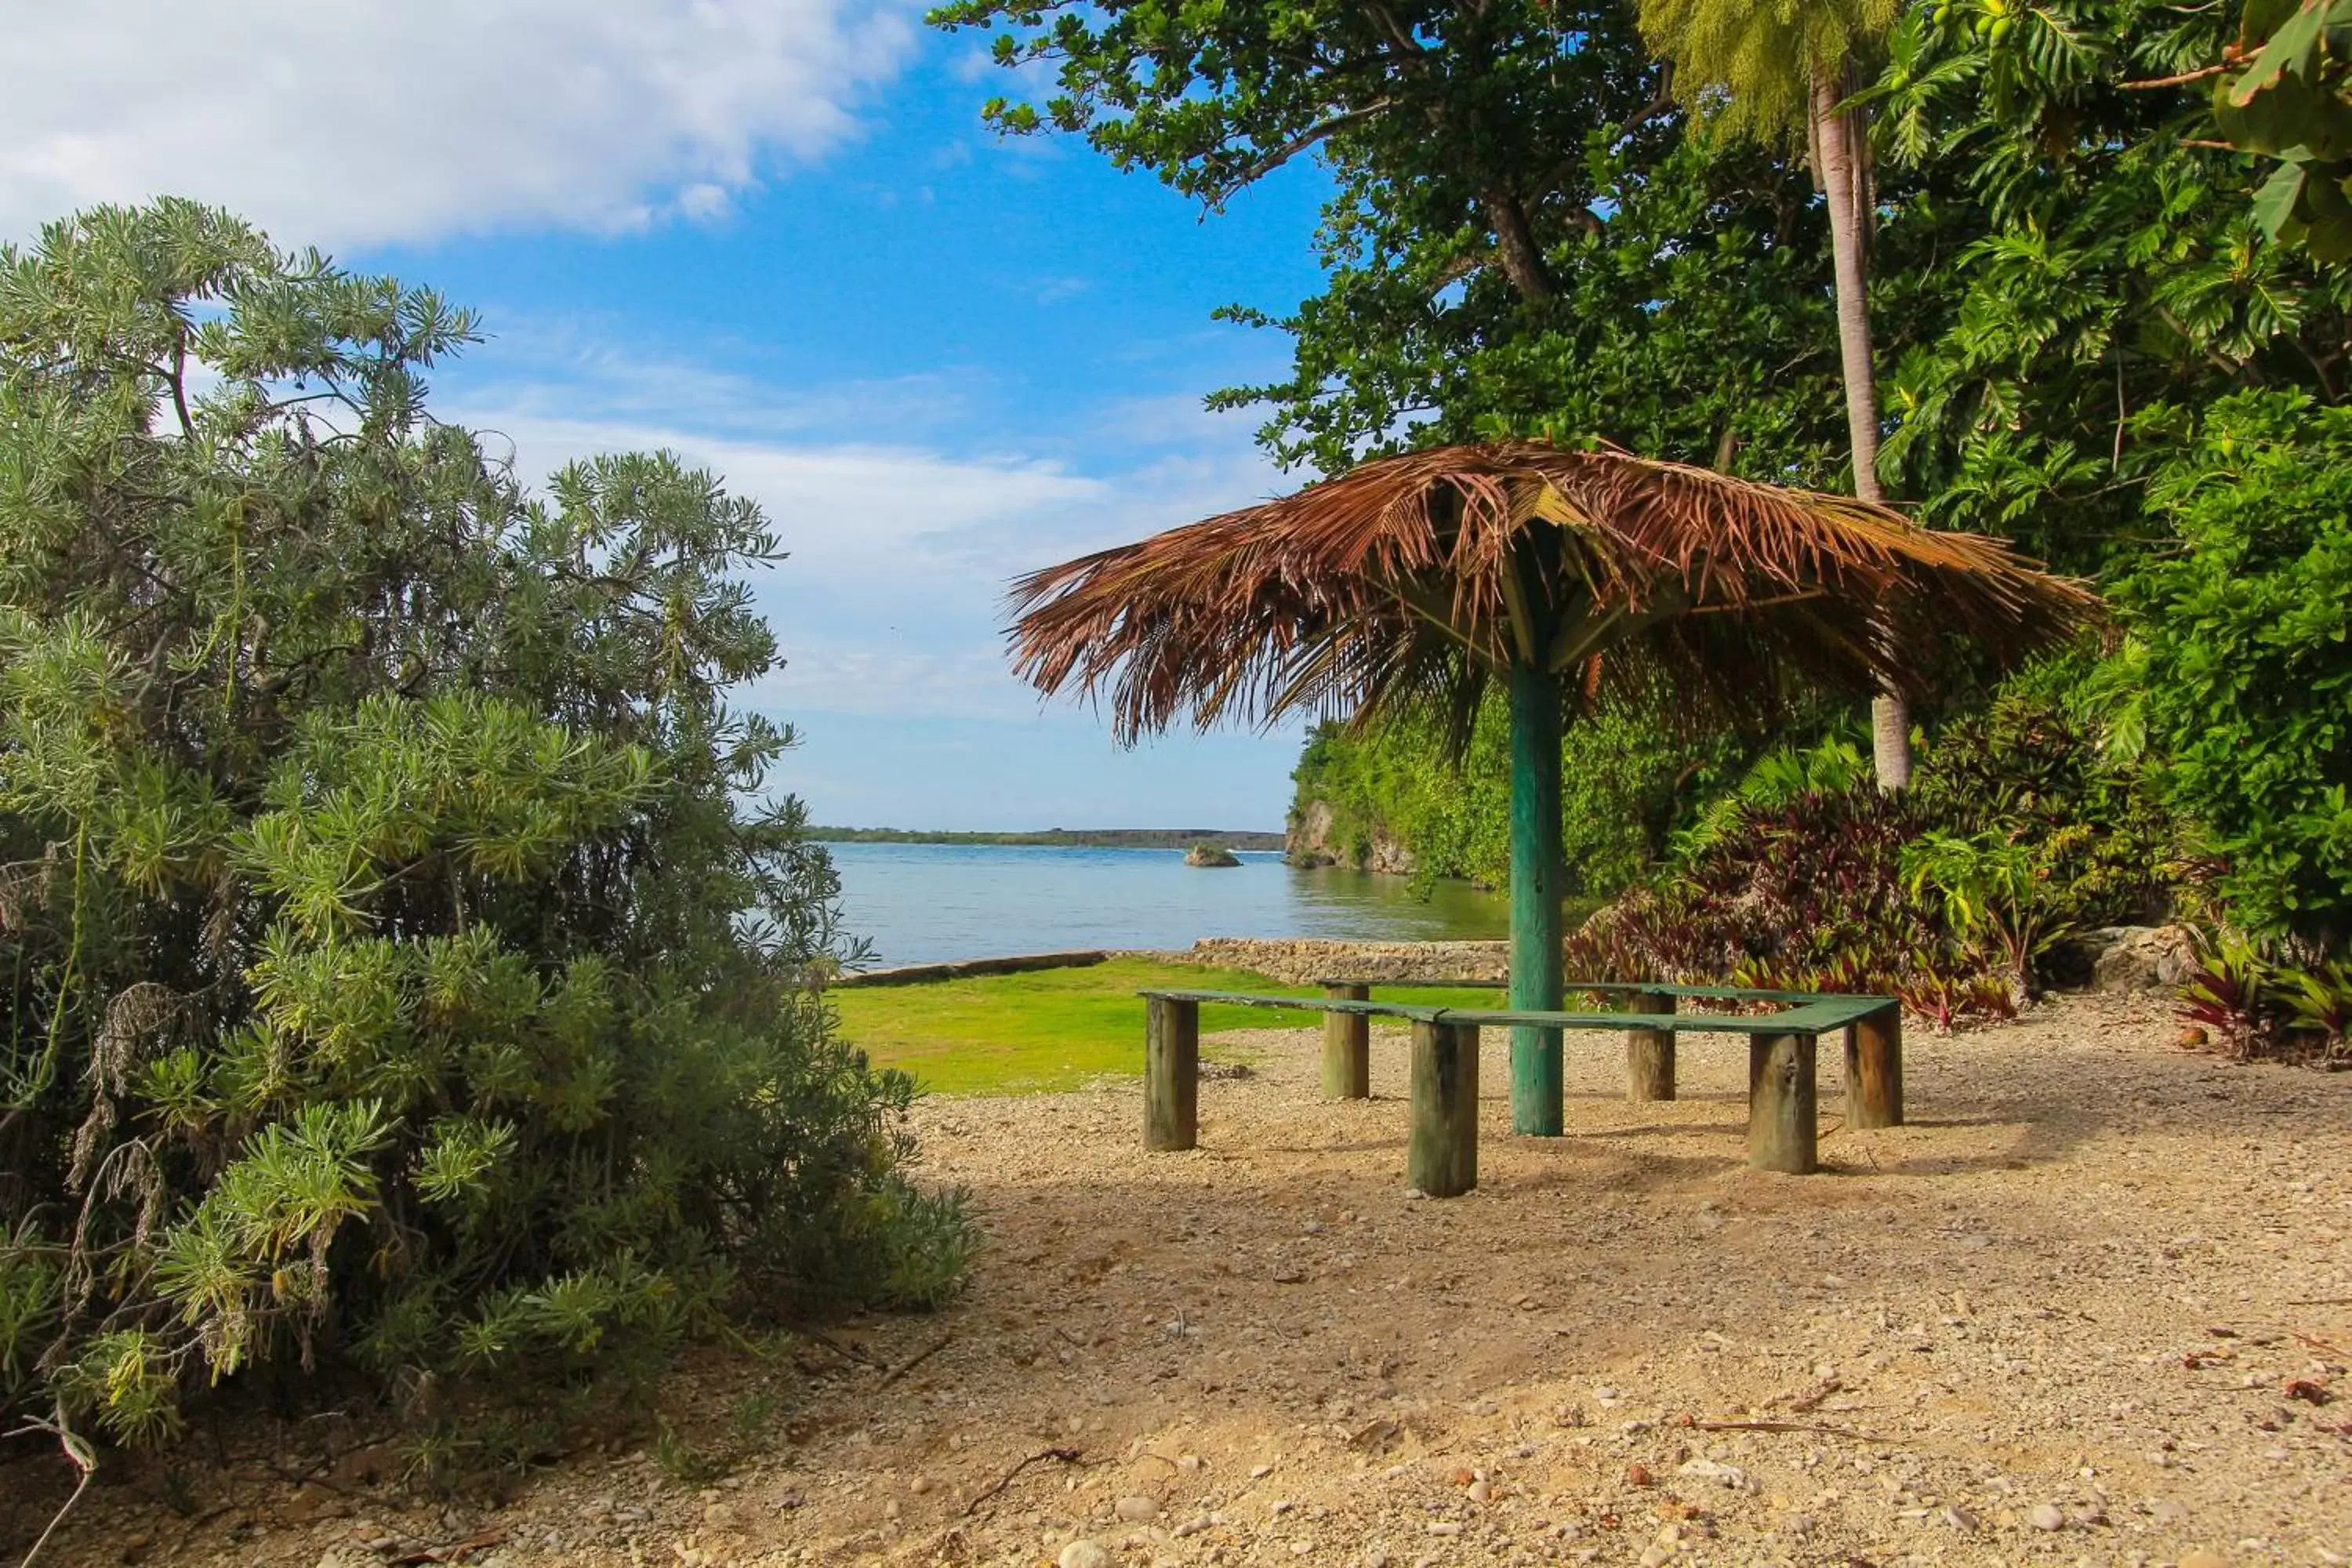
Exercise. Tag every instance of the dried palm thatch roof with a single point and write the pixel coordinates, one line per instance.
(1411, 578)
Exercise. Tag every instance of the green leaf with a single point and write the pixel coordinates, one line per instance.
(2263, 18)
(2327, 216)
(2294, 48)
(2275, 202)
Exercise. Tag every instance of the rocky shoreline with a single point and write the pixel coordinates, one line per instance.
(1303, 961)
(2110, 959)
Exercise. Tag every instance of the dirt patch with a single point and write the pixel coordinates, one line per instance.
(2094, 1304)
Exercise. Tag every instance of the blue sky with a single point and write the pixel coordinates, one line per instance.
(774, 236)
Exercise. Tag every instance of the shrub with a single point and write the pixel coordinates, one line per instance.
(2241, 653)
(1780, 777)
(2019, 829)
(2033, 766)
(1805, 894)
(396, 971)
(2318, 1001)
(2259, 998)
(1994, 895)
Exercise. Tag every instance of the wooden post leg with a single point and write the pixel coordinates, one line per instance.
(1873, 1069)
(1442, 1151)
(1783, 1134)
(1172, 1074)
(1347, 1045)
(1650, 1053)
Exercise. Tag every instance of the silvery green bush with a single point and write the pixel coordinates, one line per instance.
(404, 966)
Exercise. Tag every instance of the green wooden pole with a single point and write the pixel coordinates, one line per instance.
(1536, 1078)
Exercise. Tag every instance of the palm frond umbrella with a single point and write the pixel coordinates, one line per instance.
(1416, 579)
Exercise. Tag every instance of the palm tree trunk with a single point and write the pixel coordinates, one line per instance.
(1538, 1079)
(1842, 157)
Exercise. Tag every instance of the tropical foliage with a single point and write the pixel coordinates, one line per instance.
(2240, 665)
(1805, 894)
(2018, 833)
(1628, 780)
(2109, 324)
(397, 971)
(2253, 999)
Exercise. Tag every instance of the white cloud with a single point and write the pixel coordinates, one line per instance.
(588, 370)
(892, 601)
(368, 120)
(859, 511)
(892, 598)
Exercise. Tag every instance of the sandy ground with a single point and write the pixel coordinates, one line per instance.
(2085, 1309)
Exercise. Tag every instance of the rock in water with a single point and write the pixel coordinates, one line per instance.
(1205, 854)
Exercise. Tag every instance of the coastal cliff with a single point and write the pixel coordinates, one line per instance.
(1313, 838)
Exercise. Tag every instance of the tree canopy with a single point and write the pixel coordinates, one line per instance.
(2098, 223)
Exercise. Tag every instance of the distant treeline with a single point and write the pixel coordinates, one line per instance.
(1065, 837)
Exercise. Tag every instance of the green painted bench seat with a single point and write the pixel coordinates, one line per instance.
(1442, 1147)
(1817, 1016)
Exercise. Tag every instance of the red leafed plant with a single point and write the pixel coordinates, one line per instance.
(2227, 993)
(1806, 894)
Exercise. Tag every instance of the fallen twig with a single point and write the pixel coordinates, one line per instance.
(1812, 1399)
(191, 1523)
(454, 1551)
(79, 1455)
(1791, 1426)
(918, 1359)
(847, 1352)
(313, 1477)
(2319, 1345)
(1067, 1456)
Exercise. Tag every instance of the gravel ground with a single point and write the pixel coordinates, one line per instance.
(2086, 1307)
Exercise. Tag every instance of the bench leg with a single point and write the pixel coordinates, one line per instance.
(1442, 1150)
(1347, 1046)
(1172, 1074)
(1650, 1053)
(1782, 1130)
(1874, 1070)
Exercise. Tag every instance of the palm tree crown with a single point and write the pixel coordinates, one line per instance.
(1750, 65)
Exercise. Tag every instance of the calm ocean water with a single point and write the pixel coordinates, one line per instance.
(924, 903)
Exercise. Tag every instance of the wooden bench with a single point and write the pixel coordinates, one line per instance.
(1441, 1146)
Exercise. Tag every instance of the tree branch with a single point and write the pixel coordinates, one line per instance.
(1515, 244)
(1456, 270)
(1403, 43)
(2213, 356)
(2183, 79)
(1661, 99)
(1298, 144)
(179, 383)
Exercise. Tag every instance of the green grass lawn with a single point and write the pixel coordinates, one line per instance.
(1058, 1028)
